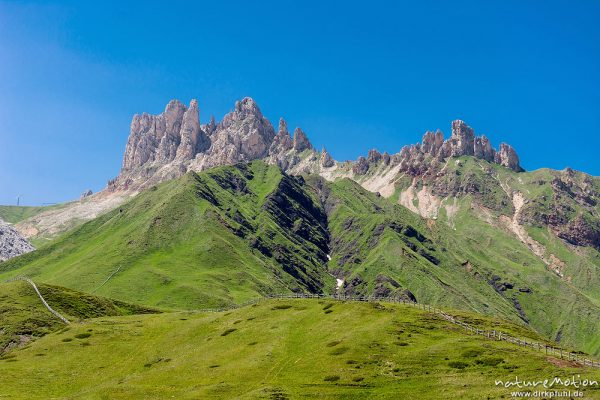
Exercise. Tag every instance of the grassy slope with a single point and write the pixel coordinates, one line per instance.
(233, 233)
(23, 315)
(177, 249)
(278, 349)
(14, 214)
(571, 310)
(400, 252)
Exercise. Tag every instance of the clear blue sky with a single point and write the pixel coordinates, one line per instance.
(353, 75)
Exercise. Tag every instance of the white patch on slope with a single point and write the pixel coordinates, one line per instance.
(52, 222)
(518, 200)
(427, 204)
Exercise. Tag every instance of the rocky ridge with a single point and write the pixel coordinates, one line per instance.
(165, 146)
(12, 244)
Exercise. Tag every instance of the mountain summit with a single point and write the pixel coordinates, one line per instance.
(164, 146)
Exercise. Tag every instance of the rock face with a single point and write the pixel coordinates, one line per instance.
(507, 156)
(421, 158)
(167, 145)
(301, 141)
(12, 244)
(326, 160)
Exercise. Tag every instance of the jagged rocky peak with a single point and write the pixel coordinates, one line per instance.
(361, 166)
(243, 135)
(282, 141)
(507, 156)
(192, 139)
(301, 141)
(326, 160)
(462, 141)
(374, 156)
(175, 133)
(422, 157)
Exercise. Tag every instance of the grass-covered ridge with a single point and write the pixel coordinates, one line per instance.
(210, 239)
(233, 233)
(24, 317)
(276, 349)
(14, 214)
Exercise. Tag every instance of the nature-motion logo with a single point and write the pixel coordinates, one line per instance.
(574, 382)
(552, 388)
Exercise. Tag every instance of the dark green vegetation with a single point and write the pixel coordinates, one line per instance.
(276, 352)
(233, 233)
(25, 318)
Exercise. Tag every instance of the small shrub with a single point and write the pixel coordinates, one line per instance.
(214, 366)
(331, 378)
(458, 364)
(350, 362)
(228, 331)
(328, 311)
(489, 361)
(83, 335)
(358, 379)
(252, 343)
(471, 353)
(334, 343)
(339, 350)
(328, 306)
(237, 322)
(402, 344)
(84, 344)
(67, 339)
(282, 307)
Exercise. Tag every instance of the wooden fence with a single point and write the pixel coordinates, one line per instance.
(489, 334)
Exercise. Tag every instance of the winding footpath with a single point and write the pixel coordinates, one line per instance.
(44, 302)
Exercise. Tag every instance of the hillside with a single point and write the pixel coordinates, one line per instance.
(230, 234)
(24, 318)
(14, 214)
(213, 239)
(277, 349)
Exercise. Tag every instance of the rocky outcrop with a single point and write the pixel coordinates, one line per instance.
(425, 157)
(361, 166)
(374, 156)
(167, 145)
(507, 157)
(462, 141)
(301, 141)
(192, 139)
(85, 194)
(326, 160)
(12, 244)
(282, 142)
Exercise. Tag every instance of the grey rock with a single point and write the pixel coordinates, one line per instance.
(374, 156)
(301, 141)
(85, 194)
(361, 166)
(507, 156)
(12, 244)
(462, 139)
(326, 160)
